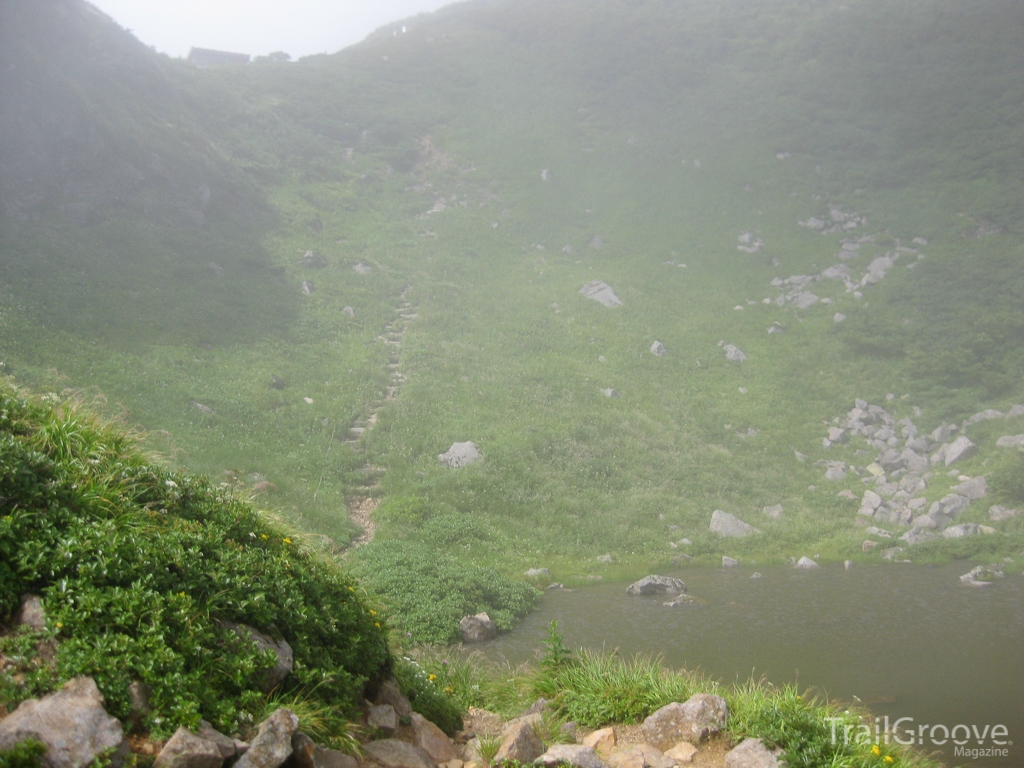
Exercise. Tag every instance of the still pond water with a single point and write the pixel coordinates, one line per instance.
(908, 641)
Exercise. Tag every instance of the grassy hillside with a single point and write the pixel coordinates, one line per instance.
(457, 184)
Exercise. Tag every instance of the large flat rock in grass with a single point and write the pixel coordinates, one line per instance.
(601, 293)
(730, 526)
(392, 753)
(71, 723)
(961, 448)
(460, 454)
(699, 717)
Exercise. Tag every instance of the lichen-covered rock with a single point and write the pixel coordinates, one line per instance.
(273, 742)
(699, 717)
(71, 723)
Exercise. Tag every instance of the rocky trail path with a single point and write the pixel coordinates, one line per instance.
(363, 502)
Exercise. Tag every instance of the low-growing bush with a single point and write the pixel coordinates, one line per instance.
(427, 696)
(137, 566)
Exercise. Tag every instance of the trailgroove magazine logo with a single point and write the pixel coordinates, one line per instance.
(971, 741)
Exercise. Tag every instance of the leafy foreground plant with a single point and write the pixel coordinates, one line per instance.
(138, 566)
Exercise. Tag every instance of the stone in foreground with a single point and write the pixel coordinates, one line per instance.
(71, 723)
(728, 525)
(573, 754)
(432, 740)
(682, 753)
(699, 717)
(273, 743)
(752, 753)
(656, 585)
(188, 750)
(477, 629)
(601, 741)
(392, 753)
(459, 455)
(520, 744)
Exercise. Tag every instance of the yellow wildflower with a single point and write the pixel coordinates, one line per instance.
(373, 612)
(351, 589)
(431, 677)
(287, 541)
(376, 624)
(60, 625)
(264, 536)
(887, 759)
(875, 750)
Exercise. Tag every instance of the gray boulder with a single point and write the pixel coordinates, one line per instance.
(273, 742)
(432, 739)
(538, 573)
(986, 415)
(390, 693)
(601, 293)
(752, 753)
(520, 743)
(477, 629)
(948, 508)
(806, 564)
(188, 750)
(729, 526)
(959, 449)
(658, 349)
(999, 513)
(1010, 441)
(383, 718)
(1015, 411)
(392, 753)
(307, 754)
(805, 300)
(656, 585)
(729, 562)
(918, 535)
(973, 489)
(735, 354)
(696, 719)
(959, 531)
(459, 455)
(835, 474)
(571, 754)
(71, 723)
(31, 614)
(273, 677)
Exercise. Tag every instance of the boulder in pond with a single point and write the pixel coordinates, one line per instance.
(730, 526)
(601, 293)
(656, 585)
(478, 628)
(699, 717)
(805, 563)
(73, 725)
(460, 455)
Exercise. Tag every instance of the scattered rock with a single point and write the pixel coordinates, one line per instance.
(658, 349)
(981, 576)
(1010, 441)
(535, 573)
(682, 753)
(729, 562)
(273, 743)
(349, 311)
(434, 742)
(32, 614)
(730, 526)
(573, 754)
(961, 448)
(477, 629)
(71, 723)
(999, 513)
(601, 293)
(460, 455)
(734, 354)
(312, 261)
(774, 511)
(362, 269)
(383, 718)
(308, 289)
(390, 693)
(959, 531)
(986, 415)
(190, 750)
(919, 535)
(752, 753)
(392, 753)
(806, 563)
(973, 489)
(656, 585)
(601, 741)
(701, 716)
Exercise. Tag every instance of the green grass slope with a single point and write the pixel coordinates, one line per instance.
(474, 172)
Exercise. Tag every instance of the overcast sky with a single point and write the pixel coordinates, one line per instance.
(258, 27)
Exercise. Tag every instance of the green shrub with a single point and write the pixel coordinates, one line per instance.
(428, 591)
(136, 566)
(25, 754)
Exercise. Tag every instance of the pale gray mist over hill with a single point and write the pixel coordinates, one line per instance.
(258, 27)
